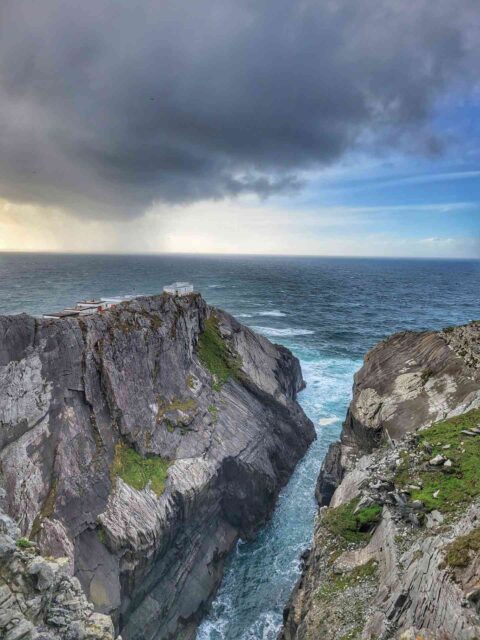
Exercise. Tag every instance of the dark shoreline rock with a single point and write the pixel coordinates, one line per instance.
(74, 391)
(331, 474)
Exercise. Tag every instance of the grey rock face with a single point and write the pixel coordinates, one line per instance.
(426, 377)
(406, 383)
(330, 475)
(73, 390)
(39, 600)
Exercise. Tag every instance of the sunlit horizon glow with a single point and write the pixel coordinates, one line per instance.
(230, 228)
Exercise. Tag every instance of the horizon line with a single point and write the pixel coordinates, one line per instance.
(225, 255)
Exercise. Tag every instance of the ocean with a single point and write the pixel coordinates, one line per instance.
(328, 311)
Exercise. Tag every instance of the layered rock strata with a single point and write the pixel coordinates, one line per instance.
(396, 553)
(139, 444)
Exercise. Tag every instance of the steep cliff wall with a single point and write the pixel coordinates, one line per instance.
(139, 444)
(396, 554)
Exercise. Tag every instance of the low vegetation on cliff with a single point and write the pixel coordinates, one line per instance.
(461, 551)
(341, 601)
(350, 523)
(139, 377)
(408, 499)
(453, 481)
(137, 471)
(215, 356)
(425, 485)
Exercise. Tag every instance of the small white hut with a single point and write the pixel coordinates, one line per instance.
(179, 289)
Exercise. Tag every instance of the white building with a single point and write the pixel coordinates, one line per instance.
(88, 307)
(58, 315)
(108, 303)
(179, 289)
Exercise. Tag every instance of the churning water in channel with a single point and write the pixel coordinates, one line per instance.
(260, 574)
(328, 311)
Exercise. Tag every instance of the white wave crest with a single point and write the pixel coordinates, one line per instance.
(274, 313)
(266, 627)
(274, 332)
(324, 422)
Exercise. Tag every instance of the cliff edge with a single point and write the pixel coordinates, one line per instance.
(138, 445)
(396, 554)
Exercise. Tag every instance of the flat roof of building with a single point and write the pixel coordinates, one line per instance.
(177, 285)
(93, 307)
(117, 299)
(66, 313)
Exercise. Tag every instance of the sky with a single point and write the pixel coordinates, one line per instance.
(240, 126)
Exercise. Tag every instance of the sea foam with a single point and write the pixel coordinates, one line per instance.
(324, 422)
(275, 332)
(274, 313)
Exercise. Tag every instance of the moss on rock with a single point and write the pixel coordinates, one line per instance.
(461, 551)
(215, 356)
(137, 471)
(447, 489)
(185, 405)
(340, 582)
(351, 525)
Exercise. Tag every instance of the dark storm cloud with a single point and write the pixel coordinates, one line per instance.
(109, 105)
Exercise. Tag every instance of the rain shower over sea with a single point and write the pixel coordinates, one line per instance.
(328, 311)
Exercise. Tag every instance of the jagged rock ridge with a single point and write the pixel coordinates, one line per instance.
(396, 555)
(139, 444)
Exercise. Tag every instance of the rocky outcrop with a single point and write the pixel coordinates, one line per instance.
(38, 597)
(139, 444)
(411, 380)
(395, 555)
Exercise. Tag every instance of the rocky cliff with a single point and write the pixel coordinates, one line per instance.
(396, 555)
(138, 445)
(39, 598)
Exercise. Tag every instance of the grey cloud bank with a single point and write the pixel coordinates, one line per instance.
(107, 107)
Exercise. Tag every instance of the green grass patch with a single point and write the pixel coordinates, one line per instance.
(24, 543)
(176, 404)
(339, 582)
(369, 515)
(462, 551)
(179, 404)
(460, 484)
(352, 527)
(137, 471)
(215, 356)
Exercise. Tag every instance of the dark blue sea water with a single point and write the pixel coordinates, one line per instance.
(329, 311)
